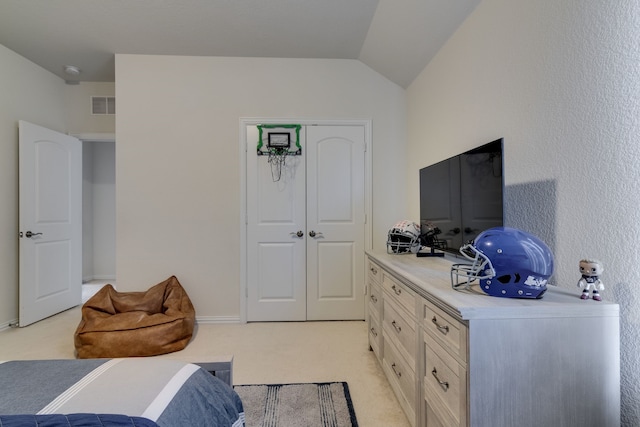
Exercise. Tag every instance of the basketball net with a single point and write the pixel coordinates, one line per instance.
(277, 159)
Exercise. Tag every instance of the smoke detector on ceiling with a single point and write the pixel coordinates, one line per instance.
(72, 70)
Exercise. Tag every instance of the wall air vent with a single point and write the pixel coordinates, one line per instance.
(101, 105)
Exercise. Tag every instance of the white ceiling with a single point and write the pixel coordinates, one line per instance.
(397, 38)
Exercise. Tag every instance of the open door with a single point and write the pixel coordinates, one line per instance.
(50, 222)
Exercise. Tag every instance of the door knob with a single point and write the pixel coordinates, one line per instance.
(30, 234)
(314, 234)
(299, 233)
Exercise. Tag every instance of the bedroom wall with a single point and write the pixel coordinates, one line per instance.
(28, 93)
(560, 82)
(178, 160)
(78, 108)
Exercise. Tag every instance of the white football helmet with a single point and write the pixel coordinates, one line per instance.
(404, 237)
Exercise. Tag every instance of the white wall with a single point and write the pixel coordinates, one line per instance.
(78, 115)
(560, 81)
(28, 93)
(178, 176)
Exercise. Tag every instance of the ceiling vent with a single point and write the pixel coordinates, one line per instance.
(101, 105)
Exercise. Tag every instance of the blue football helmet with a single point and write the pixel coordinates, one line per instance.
(507, 262)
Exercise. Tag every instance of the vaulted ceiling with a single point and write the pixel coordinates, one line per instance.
(397, 38)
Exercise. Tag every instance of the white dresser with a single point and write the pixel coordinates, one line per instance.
(468, 359)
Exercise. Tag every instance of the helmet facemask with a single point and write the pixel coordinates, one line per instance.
(466, 274)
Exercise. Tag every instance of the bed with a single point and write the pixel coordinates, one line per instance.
(142, 392)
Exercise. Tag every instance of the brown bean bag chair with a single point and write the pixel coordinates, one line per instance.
(124, 324)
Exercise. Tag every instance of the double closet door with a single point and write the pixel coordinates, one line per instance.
(306, 228)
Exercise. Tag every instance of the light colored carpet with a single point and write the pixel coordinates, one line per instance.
(298, 405)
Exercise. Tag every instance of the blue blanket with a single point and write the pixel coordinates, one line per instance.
(74, 420)
(167, 392)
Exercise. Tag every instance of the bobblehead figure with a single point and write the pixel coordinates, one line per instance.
(591, 270)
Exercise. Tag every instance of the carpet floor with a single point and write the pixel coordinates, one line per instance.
(298, 405)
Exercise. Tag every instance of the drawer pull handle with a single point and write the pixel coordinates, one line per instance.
(397, 328)
(396, 290)
(373, 270)
(398, 374)
(374, 299)
(444, 329)
(443, 384)
(373, 332)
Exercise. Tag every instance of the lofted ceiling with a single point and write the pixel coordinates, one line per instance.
(397, 38)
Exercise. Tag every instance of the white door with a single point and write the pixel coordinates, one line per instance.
(276, 227)
(305, 232)
(50, 222)
(335, 222)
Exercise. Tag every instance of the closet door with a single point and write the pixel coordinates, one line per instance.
(335, 222)
(305, 231)
(276, 225)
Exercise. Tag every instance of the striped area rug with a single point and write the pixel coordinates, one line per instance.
(293, 405)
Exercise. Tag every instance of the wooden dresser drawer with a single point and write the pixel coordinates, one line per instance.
(404, 296)
(374, 271)
(401, 329)
(445, 384)
(375, 333)
(375, 298)
(449, 332)
(431, 418)
(401, 378)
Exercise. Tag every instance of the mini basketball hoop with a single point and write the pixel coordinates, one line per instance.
(276, 143)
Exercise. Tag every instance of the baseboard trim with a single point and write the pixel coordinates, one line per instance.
(105, 278)
(205, 320)
(10, 324)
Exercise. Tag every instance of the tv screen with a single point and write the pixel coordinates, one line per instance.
(461, 197)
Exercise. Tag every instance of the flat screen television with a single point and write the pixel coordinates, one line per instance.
(460, 197)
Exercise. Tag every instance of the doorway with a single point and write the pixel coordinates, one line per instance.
(98, 215)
